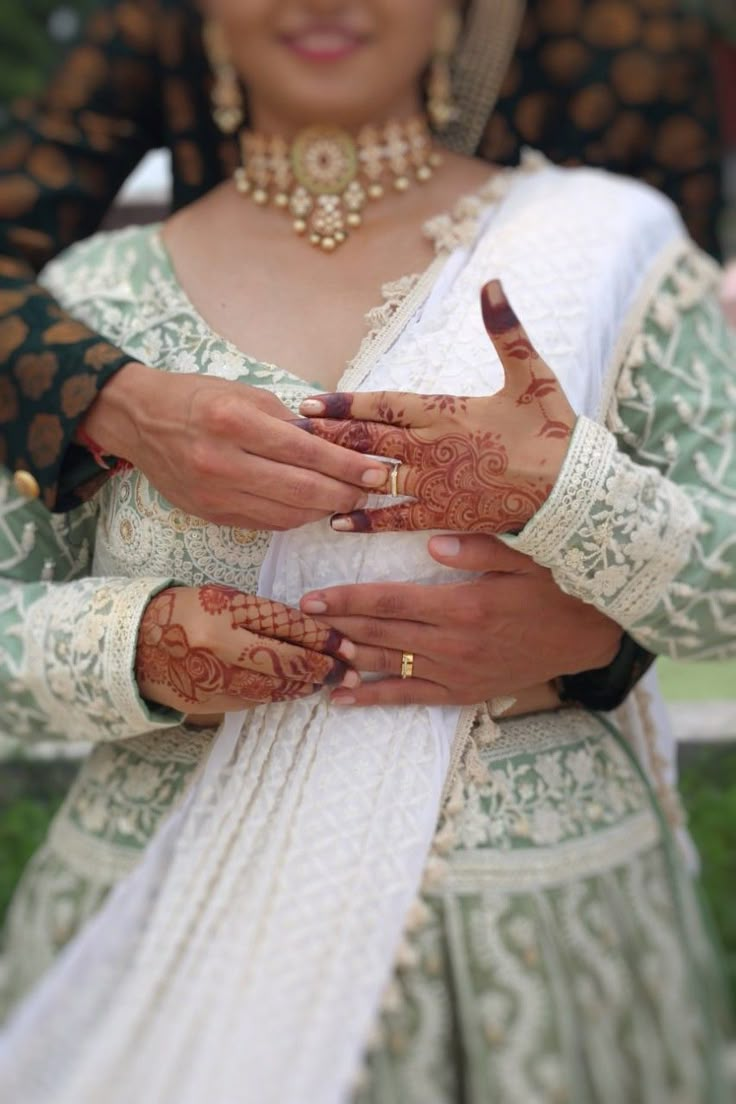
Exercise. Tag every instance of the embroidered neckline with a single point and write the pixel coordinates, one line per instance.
(401, 297)
(457, 228)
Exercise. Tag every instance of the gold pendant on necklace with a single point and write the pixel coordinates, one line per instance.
(326, 177)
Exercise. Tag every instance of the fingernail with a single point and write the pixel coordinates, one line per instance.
(312, 406)
(347, 650)
(313, 605)
(493, 292)
(352, 679)
(336, 675)
(341, 697)
(375, 477)
(498, 314)
(447, 547)
(357, 522)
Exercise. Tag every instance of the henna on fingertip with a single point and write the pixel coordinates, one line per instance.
(334, 405)
(498, 314)
(366, 438)
(268, 618)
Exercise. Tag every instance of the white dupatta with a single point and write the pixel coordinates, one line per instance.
(244, 959)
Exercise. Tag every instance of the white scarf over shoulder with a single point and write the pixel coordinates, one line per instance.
(244, 959)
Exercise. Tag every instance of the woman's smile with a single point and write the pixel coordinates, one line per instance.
(324, 43)
(344, 62)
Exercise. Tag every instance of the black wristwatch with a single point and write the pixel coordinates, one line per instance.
(605, 688)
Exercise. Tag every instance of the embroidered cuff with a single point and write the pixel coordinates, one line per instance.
(80, 658)
(614, 533)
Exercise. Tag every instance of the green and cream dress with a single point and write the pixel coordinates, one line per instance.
(556, 952)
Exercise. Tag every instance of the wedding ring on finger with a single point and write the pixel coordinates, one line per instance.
(393, 481)
(407, 665)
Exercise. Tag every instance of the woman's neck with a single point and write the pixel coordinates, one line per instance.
(269, 119)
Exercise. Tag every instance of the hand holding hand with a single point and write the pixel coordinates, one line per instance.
(213, 649)
(502, 633)
(473, 464)
(224, 451)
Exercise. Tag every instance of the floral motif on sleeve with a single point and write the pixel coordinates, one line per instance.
(67, 643)
(642, 521)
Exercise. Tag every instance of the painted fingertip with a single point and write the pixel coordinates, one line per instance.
(335, 645)
(342, 697)
(303, 423)
(357, 522)
(498, 314)
(338, 405)
(337, 675)
(446, 547)
(312, 407)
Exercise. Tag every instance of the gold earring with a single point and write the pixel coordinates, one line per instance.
(441, 107)
(227, 98)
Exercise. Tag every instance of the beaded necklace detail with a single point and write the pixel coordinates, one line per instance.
(325, 178)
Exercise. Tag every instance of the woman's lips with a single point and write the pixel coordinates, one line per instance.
(323, 45)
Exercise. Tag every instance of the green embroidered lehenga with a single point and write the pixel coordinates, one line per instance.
(556, 953)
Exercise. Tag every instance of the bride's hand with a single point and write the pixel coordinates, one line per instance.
(213, 649)
(475, 464)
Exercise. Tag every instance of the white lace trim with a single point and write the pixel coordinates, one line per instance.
(451, 230)
(613, 533)
(80, 651)
(529, 869)
(118, 659)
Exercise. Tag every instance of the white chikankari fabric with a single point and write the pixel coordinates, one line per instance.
(245, 957)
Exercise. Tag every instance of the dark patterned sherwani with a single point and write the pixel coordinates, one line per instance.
(619, 83)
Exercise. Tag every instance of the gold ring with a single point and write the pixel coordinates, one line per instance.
(407, 664)
(393, 482)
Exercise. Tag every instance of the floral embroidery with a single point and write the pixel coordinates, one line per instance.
(631, 529)
(561, 787)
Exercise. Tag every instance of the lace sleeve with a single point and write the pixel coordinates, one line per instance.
(67, 642)
(642, 520)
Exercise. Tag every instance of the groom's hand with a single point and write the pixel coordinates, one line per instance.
(224, 451)
(506, 630)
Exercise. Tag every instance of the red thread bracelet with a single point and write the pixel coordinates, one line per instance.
(83, 438)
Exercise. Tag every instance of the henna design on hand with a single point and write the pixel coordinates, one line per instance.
(511, 341)
(459, 482)
(166, 658)
(445, 404)
(474, 464)
(268, 668)
(265, 617)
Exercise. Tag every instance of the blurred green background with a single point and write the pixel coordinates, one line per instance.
(31, 34)
(708, 788)
(698, 681)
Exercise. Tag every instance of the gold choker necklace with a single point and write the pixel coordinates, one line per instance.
(325, 178)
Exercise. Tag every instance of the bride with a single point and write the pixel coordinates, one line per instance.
(428, 903)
